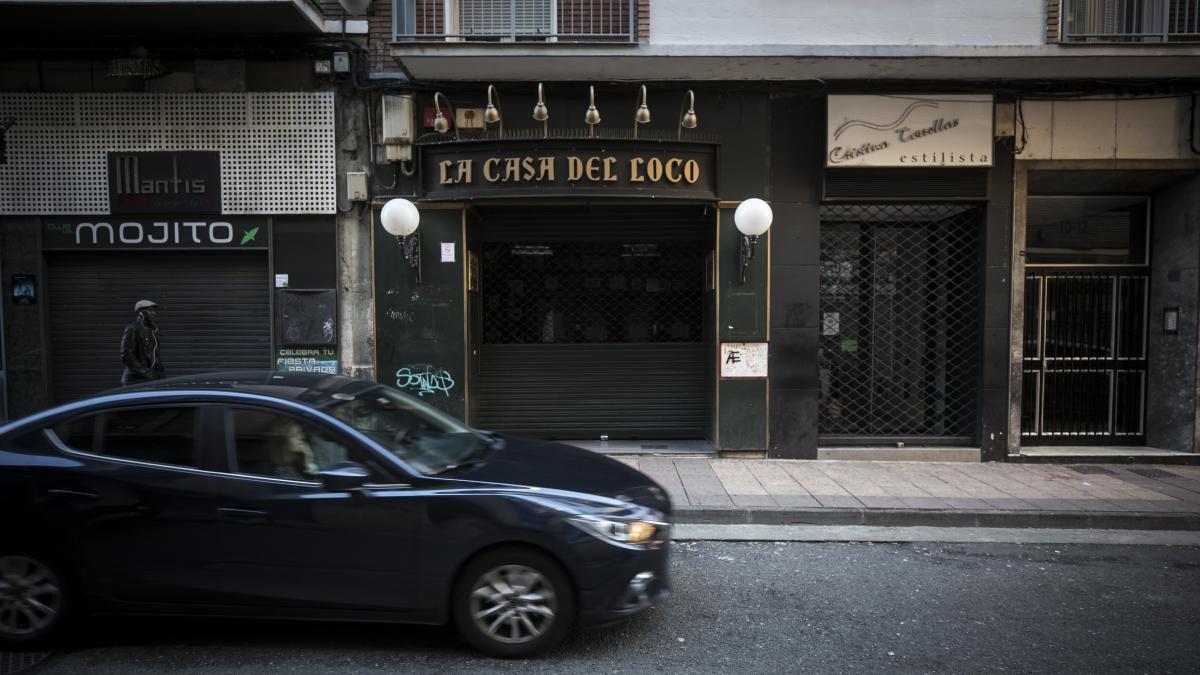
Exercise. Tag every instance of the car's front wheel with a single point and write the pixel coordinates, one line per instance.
(36, 600)
(513, 602)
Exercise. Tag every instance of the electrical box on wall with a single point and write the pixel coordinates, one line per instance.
(356, 186)
(341, 62)
(398, 127)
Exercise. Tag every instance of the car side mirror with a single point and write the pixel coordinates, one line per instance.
(344, 476)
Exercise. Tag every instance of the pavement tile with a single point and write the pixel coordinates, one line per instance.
(1160, 488)
(737, 479)
(966, 504)
(784, 489)
(881, 502)
(813, 481)
(840, 501)
(701, 484)
(662, 471)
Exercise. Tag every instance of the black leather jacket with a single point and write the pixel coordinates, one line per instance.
(139, 351)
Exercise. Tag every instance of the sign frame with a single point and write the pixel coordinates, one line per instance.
(910, 131)
(164, 181)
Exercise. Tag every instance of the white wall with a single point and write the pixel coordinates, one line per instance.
(848, 22)
(1099, 129)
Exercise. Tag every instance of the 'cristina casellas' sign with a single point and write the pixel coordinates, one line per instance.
(164, 182)
(164, 232)
(617, 168)
(910, 131)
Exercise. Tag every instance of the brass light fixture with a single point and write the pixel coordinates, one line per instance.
(440, 124)
(642, 114)
(592, 116)
(491, 114)
(687, 120)
(541, 113)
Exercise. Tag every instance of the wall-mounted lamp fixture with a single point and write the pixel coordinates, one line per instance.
(752, 218)
(541, 113)
(401, 218)
(687, 120)
(642, 114)
(491, 114)
(440, 124)
(592, 116)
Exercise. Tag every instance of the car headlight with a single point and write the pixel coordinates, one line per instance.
(621, 530)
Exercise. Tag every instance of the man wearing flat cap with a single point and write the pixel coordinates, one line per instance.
(139, 346)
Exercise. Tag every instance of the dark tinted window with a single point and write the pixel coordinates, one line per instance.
(1086, 230)
(163, 435)
(278, 446)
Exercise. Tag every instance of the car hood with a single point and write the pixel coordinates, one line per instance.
(557, 466)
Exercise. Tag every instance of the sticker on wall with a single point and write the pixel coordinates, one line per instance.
(743, 359)
(447, 251)
(24, 289)
(281, 281)
(317, 360)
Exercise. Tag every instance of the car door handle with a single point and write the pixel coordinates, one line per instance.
(243, 515)
(72, 494)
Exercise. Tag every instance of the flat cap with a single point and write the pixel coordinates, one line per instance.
(144, 304)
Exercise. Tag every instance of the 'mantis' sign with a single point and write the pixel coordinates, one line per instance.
(164, 182)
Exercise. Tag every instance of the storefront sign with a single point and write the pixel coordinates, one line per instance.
(105, 232)
(164, 182)
(910, 131)
(744, 359)
(555, 167)
(318, 360)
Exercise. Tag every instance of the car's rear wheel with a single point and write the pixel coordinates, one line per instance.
(513, 602)
(36, 600)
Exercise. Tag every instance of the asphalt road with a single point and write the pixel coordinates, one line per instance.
(768, 608)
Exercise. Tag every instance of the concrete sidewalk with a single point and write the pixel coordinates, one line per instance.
(938, 494)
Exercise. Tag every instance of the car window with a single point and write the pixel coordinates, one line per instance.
(279, 446)
(161, 435)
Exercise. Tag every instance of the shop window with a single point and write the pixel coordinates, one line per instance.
(1087, 231)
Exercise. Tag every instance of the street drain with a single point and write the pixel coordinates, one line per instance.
(1093, 470)
(12, 663)
(1154, 473)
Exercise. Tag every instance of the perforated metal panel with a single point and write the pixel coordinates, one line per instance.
(277, 149)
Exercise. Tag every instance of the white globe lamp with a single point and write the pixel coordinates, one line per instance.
(752, 218)
(400, 217)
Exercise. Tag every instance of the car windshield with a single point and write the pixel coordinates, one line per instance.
(425, 438)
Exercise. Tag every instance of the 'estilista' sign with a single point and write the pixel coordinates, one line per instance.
(617, 168)
(910, 131)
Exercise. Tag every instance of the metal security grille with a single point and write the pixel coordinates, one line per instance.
(276, 148)
(592, 292)
(900, 322)
(1084, 357)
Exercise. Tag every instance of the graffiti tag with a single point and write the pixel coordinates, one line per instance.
(425, 378)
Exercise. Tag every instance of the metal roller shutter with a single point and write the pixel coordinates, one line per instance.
(216, 313)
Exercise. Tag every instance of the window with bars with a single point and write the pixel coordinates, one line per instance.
(517, 20)
(1130, 21)
(900, 301)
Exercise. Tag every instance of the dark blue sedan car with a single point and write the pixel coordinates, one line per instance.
(315, 496)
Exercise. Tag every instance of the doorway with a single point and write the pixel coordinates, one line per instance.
(590, 322)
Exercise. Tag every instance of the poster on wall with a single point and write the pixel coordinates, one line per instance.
(743, 359)
(314, 360)
(910, 131)
(24, 289)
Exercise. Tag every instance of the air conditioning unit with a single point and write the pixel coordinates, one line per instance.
(398, 127)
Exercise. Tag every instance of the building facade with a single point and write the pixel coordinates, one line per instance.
(983, 247)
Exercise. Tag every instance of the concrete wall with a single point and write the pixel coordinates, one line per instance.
(1175, 258)
(857, 22)
(24, 343)
(1125, 129)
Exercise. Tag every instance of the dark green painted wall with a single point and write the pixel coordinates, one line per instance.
(742, 414)
(419, 331)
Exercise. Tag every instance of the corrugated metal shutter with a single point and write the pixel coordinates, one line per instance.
(588, 390)
(497, 17)
(216, 313)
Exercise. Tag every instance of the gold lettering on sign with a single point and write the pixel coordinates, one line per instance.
(691, 171)
(489, 169)
(654, 169)
(574, 168)
(527, 170)
(673, 174)
(635, 170)
(512, 168)
(444, 171)
(462, 171)
(593, 169)
(609, 164)
(546, 168)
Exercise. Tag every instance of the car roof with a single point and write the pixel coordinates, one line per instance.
(314, 389)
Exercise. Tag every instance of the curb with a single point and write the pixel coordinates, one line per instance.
(1082, 520)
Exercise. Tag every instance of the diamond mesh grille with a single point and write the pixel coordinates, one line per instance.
(592, 292)
(900, 307)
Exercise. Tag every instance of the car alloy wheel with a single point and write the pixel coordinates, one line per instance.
(513, 604)
(31, 598)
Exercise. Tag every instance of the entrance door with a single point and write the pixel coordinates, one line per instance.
(1086, 298)
(591, 322)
